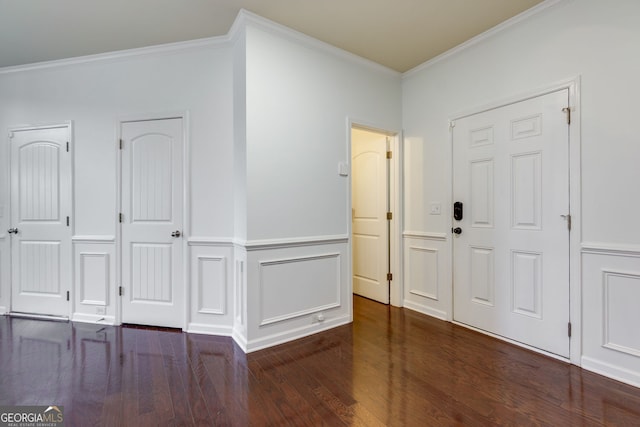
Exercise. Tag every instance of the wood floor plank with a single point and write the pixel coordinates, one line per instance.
(390, 366)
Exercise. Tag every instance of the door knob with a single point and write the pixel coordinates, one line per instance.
(176, 233)
(457, 230)
(12, 231)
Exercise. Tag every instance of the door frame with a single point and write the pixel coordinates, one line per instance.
(6, 287)
(396, 288)
(186, 203)
(575, 206)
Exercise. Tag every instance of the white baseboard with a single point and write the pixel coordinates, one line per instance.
(294, 334)
(93, 318)
(240, 339)
(614, 372)
(204, 329)
(438, 314)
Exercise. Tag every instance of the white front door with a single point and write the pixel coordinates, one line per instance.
(370, 227)
(40, 215)
(511, 258)
(152, 202)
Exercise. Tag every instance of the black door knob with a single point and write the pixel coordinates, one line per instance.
(457, 230)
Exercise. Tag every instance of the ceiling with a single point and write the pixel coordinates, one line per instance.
(399, 34)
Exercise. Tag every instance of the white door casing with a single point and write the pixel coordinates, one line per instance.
(152, 222)
(511, 260)
(41, 204)
(370, 203)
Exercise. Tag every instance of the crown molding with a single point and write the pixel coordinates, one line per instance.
(527, 14)
(189, 45)
(246, 19)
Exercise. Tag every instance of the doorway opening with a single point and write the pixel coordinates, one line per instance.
(373, 197)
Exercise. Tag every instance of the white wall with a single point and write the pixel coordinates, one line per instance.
(592, 39)
(300, 96)
(95, 95)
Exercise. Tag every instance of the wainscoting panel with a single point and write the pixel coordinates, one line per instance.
(94, 278)
(211, 279)
(94, 291)
(211, 284)
(296, 290)
(611, 313)
(293, 287)
(422, 272)
(427, 278)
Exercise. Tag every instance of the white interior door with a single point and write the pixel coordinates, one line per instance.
(152, 202)
(40, 211)
(511, 260)
(370, 227)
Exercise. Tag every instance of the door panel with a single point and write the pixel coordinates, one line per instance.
(370, 229)
(152, 201)
(40, 204)
(511, 261)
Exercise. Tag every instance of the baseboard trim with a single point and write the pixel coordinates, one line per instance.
(39, 316)
(610, 371)
(294, 334)
(93, 318)
(423, 309)
(204, 329)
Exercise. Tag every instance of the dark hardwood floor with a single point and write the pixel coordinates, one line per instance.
(390, 367)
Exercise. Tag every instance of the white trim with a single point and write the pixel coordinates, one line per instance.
(162, 49)
(612, 249)
(38, 316)
(572, 84)
(205, 329)
(426, 310)
(210, 241)
(93, 239)
(612, 371)
(258, 245)
(291, 334)
(93, 318)
(527, 14)
(428, 235)
(246, 18)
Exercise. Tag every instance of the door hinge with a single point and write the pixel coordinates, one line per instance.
(567, 111)
(120, 218)
(569, 329)
(67, 295)
(389, 216)
(120, 291)
(121, 144)
(389, 154)
(568, 218)
(452, 124)
(389, 277)
(67, 146)
(67, 221)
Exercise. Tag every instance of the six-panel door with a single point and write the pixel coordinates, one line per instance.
(511, 259)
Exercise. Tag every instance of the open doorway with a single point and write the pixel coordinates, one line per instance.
(371, 213)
